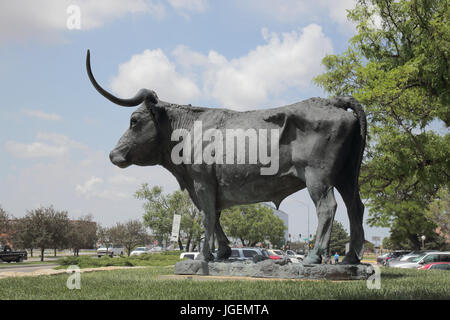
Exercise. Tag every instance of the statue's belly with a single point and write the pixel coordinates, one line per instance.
(249, 188)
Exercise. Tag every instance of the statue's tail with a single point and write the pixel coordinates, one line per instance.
(352, 103)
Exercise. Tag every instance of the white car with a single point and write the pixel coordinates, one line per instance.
(416, 262)
(189, 255)
(156, 249)
(110, 251)
(140, 250)
(291, 254)
(413, 254)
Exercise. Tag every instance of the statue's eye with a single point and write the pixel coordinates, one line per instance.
(133, 122)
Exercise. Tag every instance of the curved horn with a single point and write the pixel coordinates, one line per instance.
(142, 95)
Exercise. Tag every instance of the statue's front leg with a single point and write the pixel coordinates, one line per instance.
(207, 205)
(208, 245)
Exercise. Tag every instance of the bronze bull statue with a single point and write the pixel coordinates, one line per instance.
(315, 144)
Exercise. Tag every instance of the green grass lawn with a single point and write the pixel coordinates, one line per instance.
(163, 259)
(144, 284)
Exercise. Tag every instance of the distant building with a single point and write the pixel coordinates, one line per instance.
(283, 216)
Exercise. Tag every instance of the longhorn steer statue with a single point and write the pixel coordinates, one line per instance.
(315, 144)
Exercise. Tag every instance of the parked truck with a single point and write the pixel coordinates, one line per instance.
(8, 255)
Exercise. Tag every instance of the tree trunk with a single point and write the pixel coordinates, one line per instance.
(188, 244)
(55, 252)
(31, 251)
(42, 254)
(180, 244)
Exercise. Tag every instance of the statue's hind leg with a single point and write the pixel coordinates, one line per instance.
(224, 251)
(355, 210)
(322, 194)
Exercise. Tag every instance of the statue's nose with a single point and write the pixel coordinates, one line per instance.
(118, 159)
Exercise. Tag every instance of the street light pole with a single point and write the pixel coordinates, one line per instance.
(307, 207)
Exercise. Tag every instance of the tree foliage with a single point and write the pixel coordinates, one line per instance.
(82, 234)
(397, 67)
(129, 234)
(160, 209)
(4, 226)
(42, 228)
(439, 212)
(252, 224)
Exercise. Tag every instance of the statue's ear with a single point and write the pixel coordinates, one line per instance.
(158, 114)
(151, 97)
(151, 101)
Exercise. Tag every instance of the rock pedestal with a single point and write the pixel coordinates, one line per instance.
(272, 269)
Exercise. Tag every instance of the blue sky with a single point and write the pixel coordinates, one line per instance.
(56, 131)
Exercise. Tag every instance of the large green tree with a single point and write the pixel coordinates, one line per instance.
(160, 209)
(5, 226)
(42, 228)
(82, 234)
(252, 224)
(130, 234)
(397, 67)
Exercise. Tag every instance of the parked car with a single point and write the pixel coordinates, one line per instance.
(293, 255)
(436, 266)
(394, 255)
(189, 255)
(8, 255)
(156, 249)
(382, 259)
(255, 254)
(111, 251)
(416, 262)
(414, 254)
(276, 254)
(140, 250)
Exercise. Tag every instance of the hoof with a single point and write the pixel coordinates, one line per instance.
(312, 259)
(351, 258)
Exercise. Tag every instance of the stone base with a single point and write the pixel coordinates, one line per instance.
(272, 269)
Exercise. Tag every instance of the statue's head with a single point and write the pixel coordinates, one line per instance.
(140, 143)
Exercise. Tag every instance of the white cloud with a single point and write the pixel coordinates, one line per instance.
(122, 179)
(285, 61)
(41, 115)
(152, 69)
(91, 188)
(46, 19)
(60, 139)
(189, 5)
(306, 10)
(49, 145)
(88, 186)
(34, 150)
